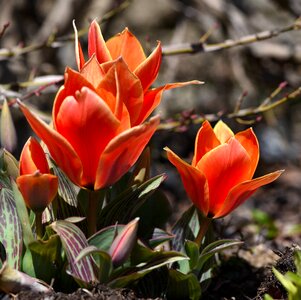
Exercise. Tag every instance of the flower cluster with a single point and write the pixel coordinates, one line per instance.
(101, 124)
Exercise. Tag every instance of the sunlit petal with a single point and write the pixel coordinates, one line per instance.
(224, 167)
(33, 158)
(249, 141)
(194, 182)
(205, 141)
(96, 44)
(223, 132)
(59, 148)
(152, 98)
(148, 70)
(126, 45)
(88, 124)
(79, 56)
(92, 71)
(243, 191)
(38, 190)
(123, 151)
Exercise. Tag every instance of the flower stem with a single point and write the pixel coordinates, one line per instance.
(39, 225)
(204, 225)
(95, 201)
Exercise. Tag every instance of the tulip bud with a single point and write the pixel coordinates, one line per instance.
(124, 243)
(35, 182)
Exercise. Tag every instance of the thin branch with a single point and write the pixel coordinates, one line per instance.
(200, 46)
(240, 114)
(5, 26)
(53, 42)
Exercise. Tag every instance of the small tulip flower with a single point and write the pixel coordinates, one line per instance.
(219, 178)
(35, 182)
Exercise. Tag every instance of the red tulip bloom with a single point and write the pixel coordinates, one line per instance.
(35, 182)
(138, 71)
(93, 140)
(219, 178)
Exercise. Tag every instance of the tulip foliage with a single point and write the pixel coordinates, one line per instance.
(81, 208)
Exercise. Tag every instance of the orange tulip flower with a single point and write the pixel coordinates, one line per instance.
(35, 182)
(93, 141)
(137, 74)
(219, 178)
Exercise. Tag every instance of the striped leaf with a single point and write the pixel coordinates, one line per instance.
(74, 241)
(10, 229)
(123, 208)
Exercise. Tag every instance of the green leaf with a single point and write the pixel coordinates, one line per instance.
(153, 213)
(123, 208)
(267, 297)
(297, 261)
(288, 285)
(192, 251)
(46, 254)
(102, 259)
(186, 228)
(103, 239)
(8, 134)
(73, 242)
(10, 229)
(183, 286)
(159, 237)
(214, 248)
(143, 261)
(23, 215)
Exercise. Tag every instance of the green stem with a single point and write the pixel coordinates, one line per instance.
(95, 200)
(39, 225)
(203, 229)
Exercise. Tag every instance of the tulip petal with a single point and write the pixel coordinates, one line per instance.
(153, 97)
(88, 124)
(249, 141)
(79, 56)
(148, 70)
(223, 132)
(243, 191)
(205, 141)
(38, 190)
(129, 90)
(125, 44)
(59, 148)
(123, 151)
(96, 44)
(224, 167)
(74, 82)
(33, 158)
(92, 71)
(194, 181)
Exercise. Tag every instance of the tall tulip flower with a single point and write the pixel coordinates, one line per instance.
(139, 71)
(219, 178)
(35, 182)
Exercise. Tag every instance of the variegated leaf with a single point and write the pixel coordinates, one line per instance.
(74, 241)
(10, 229)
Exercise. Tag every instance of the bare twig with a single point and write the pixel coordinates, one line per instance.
(200, 46)
(5, 26)
(52, 41)
(241, 114)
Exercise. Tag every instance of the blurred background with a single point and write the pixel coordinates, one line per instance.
(255, 70)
